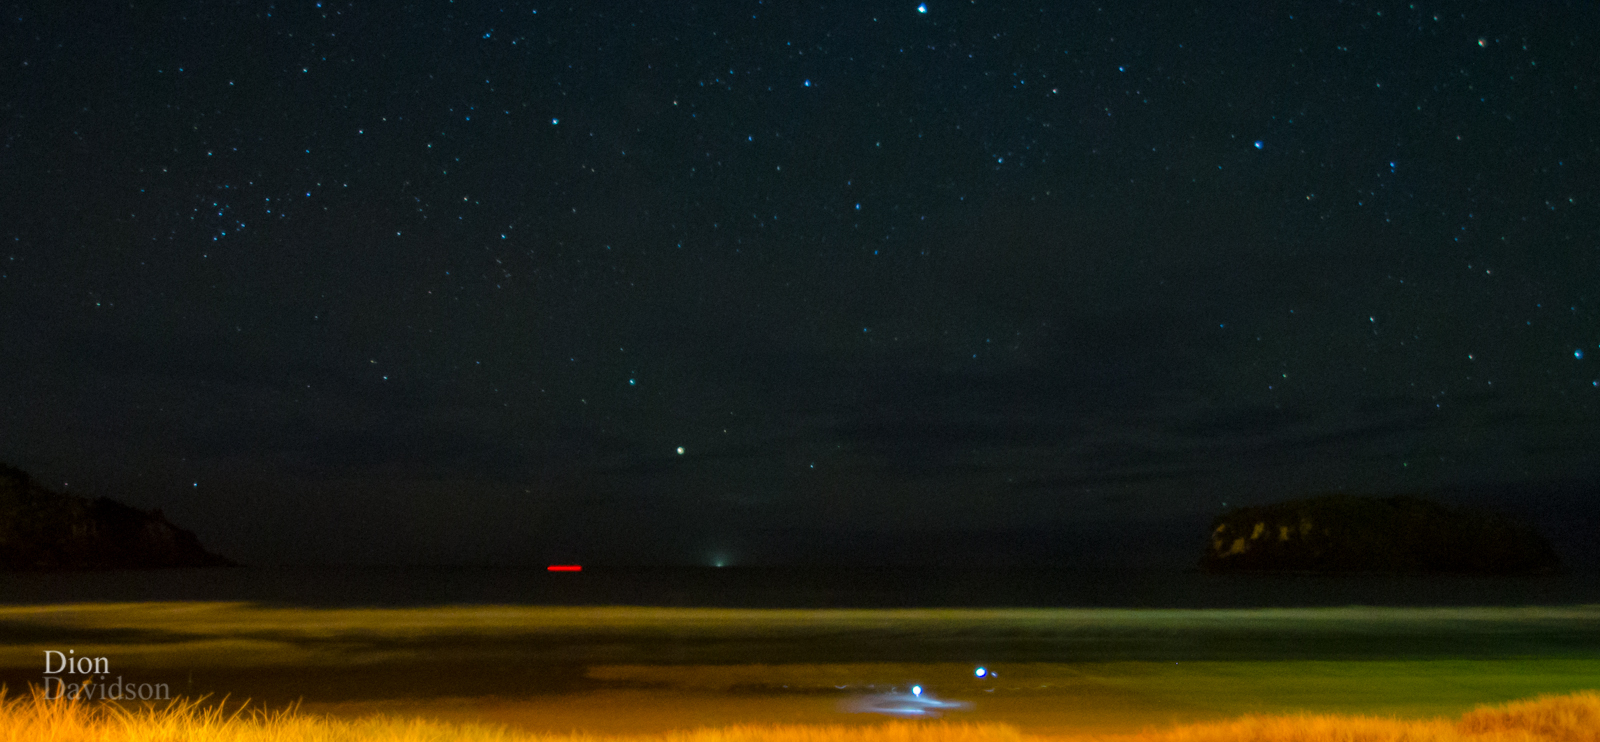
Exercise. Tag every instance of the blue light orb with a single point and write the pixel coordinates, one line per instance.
(1260, 144)
(923, 8)
(1578, 354)
(980, 672)
(916, 690)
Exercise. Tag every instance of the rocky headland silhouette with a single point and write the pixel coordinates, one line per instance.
(1344, 533)
(41, 529)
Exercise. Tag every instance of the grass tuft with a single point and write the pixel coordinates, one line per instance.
(1569, 718)
(1565, 718)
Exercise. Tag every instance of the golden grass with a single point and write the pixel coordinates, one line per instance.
(1563, 718)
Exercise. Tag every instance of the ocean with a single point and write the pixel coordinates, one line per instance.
(750, 587)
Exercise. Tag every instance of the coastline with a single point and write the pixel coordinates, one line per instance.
(645, 670)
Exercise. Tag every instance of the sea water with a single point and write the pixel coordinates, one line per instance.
(834, 587)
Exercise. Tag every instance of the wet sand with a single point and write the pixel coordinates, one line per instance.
(1044, 699)
(642, 670)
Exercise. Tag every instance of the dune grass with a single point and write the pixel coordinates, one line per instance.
(1562, 718)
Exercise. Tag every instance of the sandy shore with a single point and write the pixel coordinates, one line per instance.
(1039, 698)
(633, 670)
(645, 712)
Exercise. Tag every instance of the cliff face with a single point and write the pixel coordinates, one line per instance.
(1362, 534)
(41, 529)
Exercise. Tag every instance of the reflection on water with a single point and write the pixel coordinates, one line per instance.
(917, 704)
(735, 587)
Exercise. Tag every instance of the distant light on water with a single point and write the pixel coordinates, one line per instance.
(915, 704)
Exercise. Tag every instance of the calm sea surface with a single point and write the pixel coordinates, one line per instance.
(795, 588)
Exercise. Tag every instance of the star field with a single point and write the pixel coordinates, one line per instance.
(463, 282)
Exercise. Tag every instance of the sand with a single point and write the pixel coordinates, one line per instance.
(643, 670)
(1038, 698)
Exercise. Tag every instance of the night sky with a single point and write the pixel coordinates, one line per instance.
(755, 283)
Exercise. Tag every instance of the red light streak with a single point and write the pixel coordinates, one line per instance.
(564, 568)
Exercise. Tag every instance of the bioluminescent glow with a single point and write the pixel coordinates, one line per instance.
(917, 703)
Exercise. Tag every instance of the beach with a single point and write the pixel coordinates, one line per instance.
(620, 669)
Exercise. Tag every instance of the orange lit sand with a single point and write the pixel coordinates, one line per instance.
(642, 712)
(1571, 718)
(649, 670)
(1041, 699)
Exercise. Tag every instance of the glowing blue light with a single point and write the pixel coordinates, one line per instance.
(923, 8)
(1577, 354)
(914, 704)
(1260, 144)
(631, 382)
(980, 672)
(807, 83)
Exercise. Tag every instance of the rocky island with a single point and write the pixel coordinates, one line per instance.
(41, 529)
(1342, 533)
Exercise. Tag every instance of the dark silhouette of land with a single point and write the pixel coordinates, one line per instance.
(1342, 533)
(41, 529)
